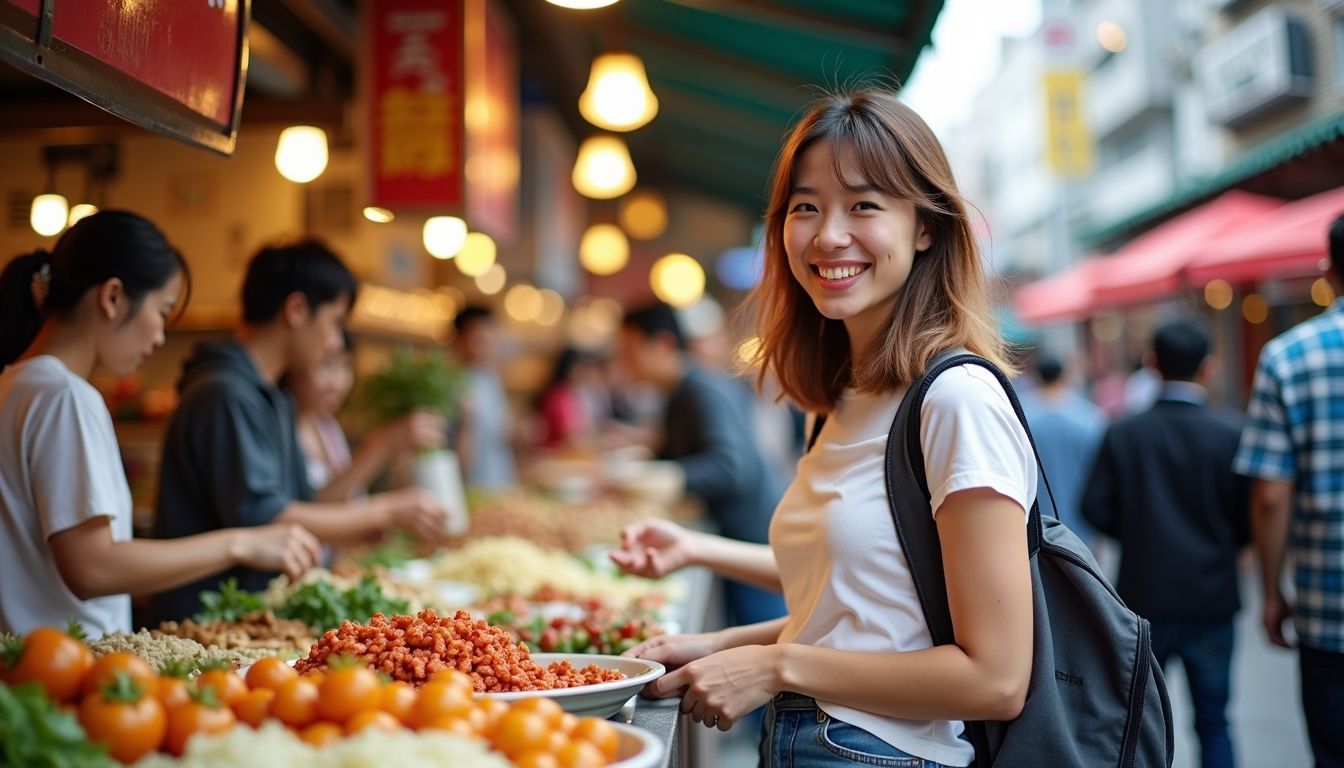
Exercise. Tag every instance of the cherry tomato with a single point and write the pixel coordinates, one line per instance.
(270, 672)
(254, 706)
(398, 701)
(552, 713)
(321, 734)
(121, 715)
(520, 731)
(105, 671)
(187, 720)
(371, 718)
(458, 726)
(438, 699)
(227, 684)
(347, 691)
(51, 658)
(581, 754)
(295, 703)
(599, 733)
(536, 759)
(172, 691)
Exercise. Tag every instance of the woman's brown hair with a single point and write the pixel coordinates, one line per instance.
(945, 301)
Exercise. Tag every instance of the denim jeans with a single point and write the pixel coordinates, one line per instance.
(1205, 649)
(1323, 703)
(797, 734)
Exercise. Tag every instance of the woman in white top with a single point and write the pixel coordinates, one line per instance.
(100, 299)
(871, 271)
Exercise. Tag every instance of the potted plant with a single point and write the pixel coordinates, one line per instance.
(427, 380)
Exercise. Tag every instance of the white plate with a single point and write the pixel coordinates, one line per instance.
(637, 748)
(599, 699)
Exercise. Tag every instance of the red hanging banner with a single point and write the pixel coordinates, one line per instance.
(415, 104)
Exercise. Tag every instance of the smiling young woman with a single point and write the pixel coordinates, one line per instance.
(871, 271)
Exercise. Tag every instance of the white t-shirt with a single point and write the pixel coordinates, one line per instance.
(59, 467)
(845, 580)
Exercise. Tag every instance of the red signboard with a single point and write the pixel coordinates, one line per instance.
(187, 51)
(172, 66)
(492, 108)
(416, 104)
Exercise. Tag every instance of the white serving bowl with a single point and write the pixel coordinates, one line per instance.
(599, 699)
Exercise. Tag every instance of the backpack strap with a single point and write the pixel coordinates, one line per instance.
(915, 526)
(818, 421)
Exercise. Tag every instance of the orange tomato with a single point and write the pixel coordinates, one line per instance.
(372, 718)
(122, 716)
(536, 760)
(105, 669)
(348, 691)
(568, 722)
(437, 699)
(520, 731)
(187, 720)
(227, 684)
(52, 658)
(599, 733)
(269, 672)
(493, 709)
(581, 754)
(552, 713)
(398, 701)
(171, 691)
(295, 703)
(321, 734)
(458, 726)
(454, 677)
(557, 741)
(254, 706)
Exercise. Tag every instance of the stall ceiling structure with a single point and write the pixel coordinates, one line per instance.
(730, 75)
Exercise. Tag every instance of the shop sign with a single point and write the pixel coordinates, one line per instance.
(1261, 64)
(174, 67)
(1068, 148)
(416, 104)
(492, 129)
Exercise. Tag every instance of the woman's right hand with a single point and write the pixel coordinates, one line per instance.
(286, 547)
(654, 548)
(673, 651)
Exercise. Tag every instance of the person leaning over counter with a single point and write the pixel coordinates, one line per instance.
(231, 455)
(99, 300)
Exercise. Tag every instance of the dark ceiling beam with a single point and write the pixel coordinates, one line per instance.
(335, 24)
(810, 22)
(554, 50)
(772, 79)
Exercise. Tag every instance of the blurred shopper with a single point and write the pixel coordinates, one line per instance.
(573, 405)
(99, 300)
(708, 431)
(1163, 486)
(1292, 448)
(231, 455)
(871, 271)
(1067, 428)
(484, 440)
(333, 472)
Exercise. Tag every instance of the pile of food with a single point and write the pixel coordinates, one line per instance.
(161, 649)
(552, 524)
(60, 706)
(510, 565)
(259, 629)
(413, 649)
(596, 626)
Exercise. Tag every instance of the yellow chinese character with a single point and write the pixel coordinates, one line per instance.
(416, 138)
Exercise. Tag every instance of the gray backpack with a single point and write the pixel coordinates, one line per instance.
(1096, 696)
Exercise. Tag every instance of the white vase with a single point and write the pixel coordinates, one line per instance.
(439, 473)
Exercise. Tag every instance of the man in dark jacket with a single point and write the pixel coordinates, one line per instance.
(708, 431)
(230, 454)
(1163, 486)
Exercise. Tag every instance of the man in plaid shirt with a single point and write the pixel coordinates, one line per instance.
(1293, 445)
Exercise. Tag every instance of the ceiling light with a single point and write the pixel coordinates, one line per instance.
(618, 96)
(603, 169)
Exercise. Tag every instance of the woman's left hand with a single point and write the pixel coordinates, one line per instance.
(721, 688)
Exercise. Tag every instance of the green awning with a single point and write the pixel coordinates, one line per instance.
(1266, 156)
(730, 75)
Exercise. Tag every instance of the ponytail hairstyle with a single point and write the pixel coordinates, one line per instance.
(98, 248)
